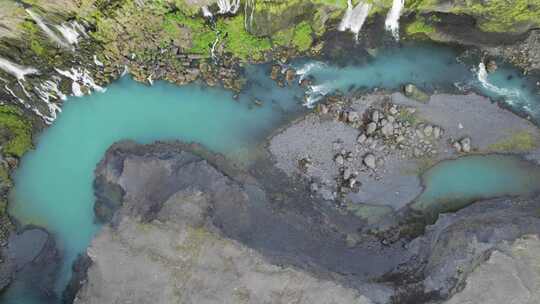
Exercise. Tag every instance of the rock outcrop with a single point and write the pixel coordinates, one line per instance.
(511, 274)
(457, 244)
(182, 231)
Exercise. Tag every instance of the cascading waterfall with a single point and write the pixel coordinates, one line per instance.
(80, 76)
(47, 30)
(69, 33)
(355, 17)
(228, 7)
(392, 19)
(248, 21)
(16, 70)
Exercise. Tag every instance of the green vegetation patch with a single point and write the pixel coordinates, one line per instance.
(519, 141)
(15, 131)
(502, 15)
(419, 26)
(299, 37)
(303, 38)
(241, 43)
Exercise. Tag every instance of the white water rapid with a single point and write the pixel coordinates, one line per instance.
(355, 17)
(392, 19)
(511, 95)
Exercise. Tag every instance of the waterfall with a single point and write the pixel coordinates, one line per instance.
(213, 50)
(228, 6)
(16, 70)
(97, 62)
(46, 91)
(80, 76)
(47, 29)
(69, 33)
(248, 20)
(355, 17)
(206, 12)
(392, 19)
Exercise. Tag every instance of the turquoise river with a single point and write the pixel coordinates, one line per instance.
(53, 186)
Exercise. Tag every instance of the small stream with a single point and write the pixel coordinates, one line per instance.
(53, 185)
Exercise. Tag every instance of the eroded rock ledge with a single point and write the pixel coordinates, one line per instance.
(183, 231)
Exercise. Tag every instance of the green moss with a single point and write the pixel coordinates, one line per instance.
(502, 15)
(15, 131)
(518, 142)
(302, 38)
(34, 38)
(419, 26)
(202, 36)
(241, 43)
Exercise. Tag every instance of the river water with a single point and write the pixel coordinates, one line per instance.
(53, 185)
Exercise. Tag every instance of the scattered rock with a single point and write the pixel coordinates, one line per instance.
(361, 138)
(491, 66)
(457, 146)
(370, 161)
(290, 75)
(339, 160)
(353, 116)
(371, 128)
(428, 130)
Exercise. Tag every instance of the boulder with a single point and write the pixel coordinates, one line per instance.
(371, 128)
(415, 93)
(370, 161)
(465, 145)
(353, 116)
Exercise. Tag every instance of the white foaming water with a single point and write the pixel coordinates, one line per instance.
(46, 91)
(69, 33)
(213, 50)
(316, 93)
(304, 71)
(16, 70)
(511, 95)
(392, 19)
(355, 18)
(47, 29)
(97, 62)
(206, 12)
(80, 76)
(228, 6)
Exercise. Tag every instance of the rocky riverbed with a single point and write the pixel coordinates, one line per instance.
(368, 152)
